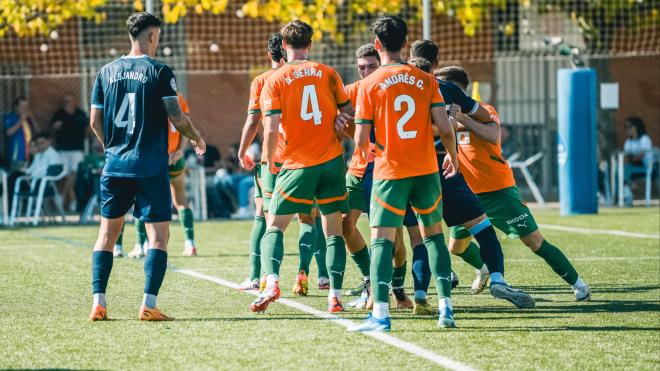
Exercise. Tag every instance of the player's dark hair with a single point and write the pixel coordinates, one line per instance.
(367, 50)
(426, 49)
(298, 34)
(275, 48)
(422, 64)
(638, 124)
(139, 22)
(456, 74)
(18, 100)
(391, 31)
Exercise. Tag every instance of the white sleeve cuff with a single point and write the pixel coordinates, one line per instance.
(96, 105)
(474, 109)
(171, 97)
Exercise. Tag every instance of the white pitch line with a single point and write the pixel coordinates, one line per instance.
(588, 259)
(385, 338)
(599, 231)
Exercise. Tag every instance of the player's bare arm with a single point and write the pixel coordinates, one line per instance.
(488, 131)
(96, 123)
(250, 129)
(184, 125)
(271, 125)
(362, 138)
(448, 137)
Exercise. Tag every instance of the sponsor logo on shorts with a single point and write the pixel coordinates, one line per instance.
(517, 219)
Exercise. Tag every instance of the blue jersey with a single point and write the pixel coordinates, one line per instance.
(453, 94)
(131, 90)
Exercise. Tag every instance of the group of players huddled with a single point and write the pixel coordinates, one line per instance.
(424, 151)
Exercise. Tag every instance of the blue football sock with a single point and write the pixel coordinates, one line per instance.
(155, 265)
(421, 271)
(101, 267)
(489, 246)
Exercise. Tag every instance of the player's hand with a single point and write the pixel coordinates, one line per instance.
(454, 109)
(371, 155)
(199, 145)
(449, 166)
(340, 122)
(174, 157)
(246, 162)
(273, 168)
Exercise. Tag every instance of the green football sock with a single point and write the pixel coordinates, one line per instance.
(186, 220)
(336, 261)
(440, 262)
(472, 256)
(382, 251)
(399, 276)
(120, 239)
(258, 230)
(306, 241)
(140, 232)
(272, 251)
(361, 259)
(321, 250)
(558, 262)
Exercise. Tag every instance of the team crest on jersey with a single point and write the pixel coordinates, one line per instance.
(173, 83)
(463, 137)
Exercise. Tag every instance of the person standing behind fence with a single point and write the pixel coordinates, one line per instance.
(132, 99)
(19, 126)
(69, 126)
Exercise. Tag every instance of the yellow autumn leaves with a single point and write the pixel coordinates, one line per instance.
(40, 17)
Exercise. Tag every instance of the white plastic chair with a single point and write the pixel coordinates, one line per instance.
(5, 197)
(37, 189)
(652, 157)
(523, 166)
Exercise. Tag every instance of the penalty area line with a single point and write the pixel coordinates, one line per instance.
(381, 336)
(610, 232)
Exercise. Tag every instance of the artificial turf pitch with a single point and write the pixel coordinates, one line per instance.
(45, 297)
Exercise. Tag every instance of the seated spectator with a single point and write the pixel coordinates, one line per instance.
(638, 156)
(18, 126)
(69, 126)
(45, 156)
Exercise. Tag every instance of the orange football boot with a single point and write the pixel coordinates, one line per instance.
(153, 314)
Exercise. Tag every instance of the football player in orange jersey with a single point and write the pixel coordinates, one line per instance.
(177, 170)
(491, 178)
(305, 97)
(400, 102)
(310, 238)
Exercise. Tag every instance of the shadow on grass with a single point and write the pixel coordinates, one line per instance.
(540, 329)
(596, 289)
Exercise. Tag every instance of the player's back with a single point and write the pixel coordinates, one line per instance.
(399, 98)
(307, 94)
(135, 125)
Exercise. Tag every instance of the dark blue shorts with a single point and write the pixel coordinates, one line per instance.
(151, 197)
(459, 203)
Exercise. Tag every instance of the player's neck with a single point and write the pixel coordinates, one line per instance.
(138, 50)
(293, 55)
(387, 57)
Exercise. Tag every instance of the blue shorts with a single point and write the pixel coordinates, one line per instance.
(151, 197)
(459, 203)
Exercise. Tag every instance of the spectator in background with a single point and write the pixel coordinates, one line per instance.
(70, 127)
(637, 148)
(18, 127)
(45, 156)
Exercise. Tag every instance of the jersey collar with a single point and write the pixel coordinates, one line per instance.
(134, 56)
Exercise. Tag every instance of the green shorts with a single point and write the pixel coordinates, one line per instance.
(177, 169)
(507, 212)
(296, 189)
(265, 183)
(357, 197)
(389, 199)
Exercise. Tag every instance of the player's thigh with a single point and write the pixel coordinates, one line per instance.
(331, 224)
(294, 191)
(458, 246)
(508, 212)
(153, 199)
(330, 191)
(178, 189)
(389, 199)
(425, 198)
(117, 195)
(357, 195)
(267, 185)
(459, 203)
(415, 235)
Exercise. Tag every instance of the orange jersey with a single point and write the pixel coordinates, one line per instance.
(307, 95)
(255, 104)
(481, 163)
(397, 99)
(173, 135)
(358, 164)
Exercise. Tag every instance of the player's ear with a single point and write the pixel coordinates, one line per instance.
(405, 43)
(378, 45)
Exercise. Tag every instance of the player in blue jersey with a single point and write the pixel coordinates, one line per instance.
(461, 207)
(132, 99)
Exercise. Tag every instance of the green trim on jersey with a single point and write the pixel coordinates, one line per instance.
(364, 122)
(273, 112)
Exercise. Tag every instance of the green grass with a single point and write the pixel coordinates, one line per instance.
(45, 299)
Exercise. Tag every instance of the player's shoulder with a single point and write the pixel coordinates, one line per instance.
(352, 86)
(260, 78)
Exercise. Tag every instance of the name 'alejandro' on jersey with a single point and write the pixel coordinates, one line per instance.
(130, 91)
